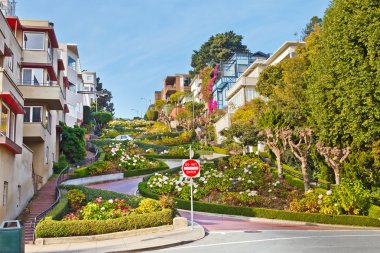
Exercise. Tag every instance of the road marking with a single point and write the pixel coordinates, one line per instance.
(267, 240)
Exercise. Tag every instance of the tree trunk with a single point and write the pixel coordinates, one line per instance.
(279, 165)
(305, 173)
(337, 176)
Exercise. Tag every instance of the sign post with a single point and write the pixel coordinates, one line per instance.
(191, 168)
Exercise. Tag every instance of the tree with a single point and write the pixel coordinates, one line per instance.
(87, 116)
(218, 48)
(104, 98)
(102, 118)
(158, 104)
(311, 26)
(152, 115)
(73, 143)
(334, 158)
(344, 92)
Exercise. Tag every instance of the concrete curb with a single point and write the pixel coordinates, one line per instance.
(274, 221)
(94, 179)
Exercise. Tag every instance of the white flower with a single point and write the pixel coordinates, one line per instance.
(270, 190)
(320, 196)
(102, 208)
(329, 192)
(319, 202)
(110, 201)
(195, 191)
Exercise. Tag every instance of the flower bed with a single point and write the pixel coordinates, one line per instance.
(90, 215)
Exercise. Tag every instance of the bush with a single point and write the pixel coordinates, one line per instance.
(81, 172)
(51, 228)
(76, 199)
(220, 150)
(73, 144)
(60, 165)
(93, 194)
(268, 213)
(148, 206)
(100, 168)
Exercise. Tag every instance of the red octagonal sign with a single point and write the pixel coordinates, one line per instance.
(191, 168)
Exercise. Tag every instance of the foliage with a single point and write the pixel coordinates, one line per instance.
(148, 206)
(100, 168)
(73, 143)
(102, 117)
(61, 209)
(76, 198)
(61, 164)
(104, 99)
(218, 48)
(176, 97)
(152, 115)
(159, 104)
(352, 220)
(311, 26)
(92, 194)
(51, 228)
(344, 94)
(87, 115)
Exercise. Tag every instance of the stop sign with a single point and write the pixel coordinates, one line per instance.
(191, 168)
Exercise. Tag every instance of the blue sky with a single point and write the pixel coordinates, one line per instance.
(134, 44)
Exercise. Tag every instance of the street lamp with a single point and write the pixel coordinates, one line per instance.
(146, 103)
(137, 112)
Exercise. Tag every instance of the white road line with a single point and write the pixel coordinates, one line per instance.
(267, 240)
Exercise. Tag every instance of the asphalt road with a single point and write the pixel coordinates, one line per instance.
(284, 241)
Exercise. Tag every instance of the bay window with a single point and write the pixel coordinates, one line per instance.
(33, 114)
(7, 122)
(34, 41)
(33, 76)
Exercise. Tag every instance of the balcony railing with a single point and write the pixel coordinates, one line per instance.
(32, 83)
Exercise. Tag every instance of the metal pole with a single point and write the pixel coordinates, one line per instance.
(191, 196)
(96, 102)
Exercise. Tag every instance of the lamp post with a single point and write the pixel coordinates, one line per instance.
(137, 112)
(146, 102)
(96, 93)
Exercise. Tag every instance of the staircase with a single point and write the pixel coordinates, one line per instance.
(43, 199)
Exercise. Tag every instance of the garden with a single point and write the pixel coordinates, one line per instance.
(86, 211)
(244, 185)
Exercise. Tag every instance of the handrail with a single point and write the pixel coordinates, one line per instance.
(89, 146)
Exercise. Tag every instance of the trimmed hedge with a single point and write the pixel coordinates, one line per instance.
(374, 212)
(133, 173)
(52, 228)
(61, 209)
(168, 156)
(92, 194)
(268, 213)
(220, 150)
(168, 171)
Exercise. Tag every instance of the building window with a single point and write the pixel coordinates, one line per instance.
(89, 78)
(50, 51)
(72, 88)
(71, 63)
(48, 120)
(33, 114)
(7, 122)
(19, 195)
(186, 82)
(10, 61)
(34, 41)
(86, 88)
(32, 76)
(5, 193)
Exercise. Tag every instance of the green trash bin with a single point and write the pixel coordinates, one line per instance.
(12, 237)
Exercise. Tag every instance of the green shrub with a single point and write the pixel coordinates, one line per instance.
(60, 165)
(133, 173)
(61, 209)
(374, 212)
(353, 220)
(148, 206)
(76, 199)
(80, 172)
(92, 194)
(51, 228)
(220, 150)
(100, 168)
(73, 144)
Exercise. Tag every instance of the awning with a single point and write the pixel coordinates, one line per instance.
(61, 66)
(66, 108)
(9, 144)
(66, 82)
(12, 102)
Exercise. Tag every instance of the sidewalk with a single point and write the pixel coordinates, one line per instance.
(133, 243)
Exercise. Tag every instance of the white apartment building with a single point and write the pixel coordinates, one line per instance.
(70, 56)
(89, 85)
(196, 88)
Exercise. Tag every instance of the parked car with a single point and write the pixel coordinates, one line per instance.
(123, 138)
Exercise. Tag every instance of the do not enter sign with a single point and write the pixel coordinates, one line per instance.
(191, 168)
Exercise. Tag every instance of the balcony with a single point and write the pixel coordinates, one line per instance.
(34, 132)
(46, 93)
(37, 56)
(9, 144)
(241, 82)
